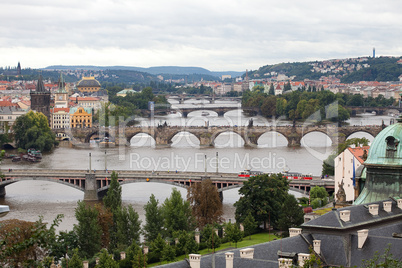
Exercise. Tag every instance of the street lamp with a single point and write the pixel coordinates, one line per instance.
(105, 162)
(89, 162)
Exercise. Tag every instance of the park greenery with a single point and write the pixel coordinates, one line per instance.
(32, 131)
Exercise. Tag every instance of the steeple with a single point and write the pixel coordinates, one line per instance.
(62, 84)
(40, 87)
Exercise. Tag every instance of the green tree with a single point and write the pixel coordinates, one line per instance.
(318, 192)
(292, 215)
(157, 246)
(250, 225)
(32, 131)
(205, 203)
(75, 261)
(88, 230)
(112, 200)
(63, 245)
(233, 233)
(177, 213)
(128, 226)
(153, 219)
(271, 89)
(106, 260)
(262, 196)
(168, 253)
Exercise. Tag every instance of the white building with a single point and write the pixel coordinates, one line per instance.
(345, 162)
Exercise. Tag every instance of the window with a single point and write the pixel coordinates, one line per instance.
(392, 146)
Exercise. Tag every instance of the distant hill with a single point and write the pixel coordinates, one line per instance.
(348, 70)
(159, 70)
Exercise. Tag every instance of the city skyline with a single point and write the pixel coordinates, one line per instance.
(218, 36)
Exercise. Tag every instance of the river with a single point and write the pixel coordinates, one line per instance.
(30, 199)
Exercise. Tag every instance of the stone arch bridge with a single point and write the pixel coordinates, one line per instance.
(96, 184)
(163, 135)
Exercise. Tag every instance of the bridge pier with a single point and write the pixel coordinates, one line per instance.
(90, 193)
(2, 191)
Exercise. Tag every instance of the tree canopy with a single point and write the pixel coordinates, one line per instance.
(32, 131)
(262, 196)
(205, 203)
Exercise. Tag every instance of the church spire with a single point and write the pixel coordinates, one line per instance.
(40, 87)
(62, 84)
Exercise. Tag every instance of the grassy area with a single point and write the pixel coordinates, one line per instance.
(322, 211)
(246, 242)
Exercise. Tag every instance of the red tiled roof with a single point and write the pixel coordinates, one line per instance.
(55, 110)
(7, 103)
(358, 152)
(84, 99)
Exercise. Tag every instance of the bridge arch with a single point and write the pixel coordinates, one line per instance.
(358, 133)
(141, 139)
(74, 183)
(98, 133)
(231, 141)
(185, 136)
(272, 139)
(321, 139)
(200, 113)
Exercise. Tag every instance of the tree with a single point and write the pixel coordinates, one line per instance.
(88, 230)
(292, 215)
(157, 247)
(319, 196)
(75, 261)
(177, 213)
(262, 196)
(112, 200)
(233, 233)
(32, 131)
(63, 245)
(271, 89)
(205, 203)
(250, 225)
(168, 253)
(128, 226)
(25, 243)
(106, 260)
(153, 219)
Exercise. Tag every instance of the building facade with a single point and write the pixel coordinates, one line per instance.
(346, 164)
(88, 85)
(80, 117)
(60, 118)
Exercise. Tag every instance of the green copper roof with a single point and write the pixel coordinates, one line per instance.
(386, 148)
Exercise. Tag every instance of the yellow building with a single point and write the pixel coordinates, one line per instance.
(80, 117)
(88, 85)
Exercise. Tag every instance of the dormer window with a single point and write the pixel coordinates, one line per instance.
(392, 146)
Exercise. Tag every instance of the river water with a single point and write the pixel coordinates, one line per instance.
(30, 199)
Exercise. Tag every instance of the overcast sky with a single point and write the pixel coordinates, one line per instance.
(219, 35)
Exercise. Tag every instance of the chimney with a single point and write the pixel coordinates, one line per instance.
(344, 215)
(399, 203)
(145, 249)
(247, 253)
(387, 205)
(229, 256)
(317, 246)
(301, 258)
(294, 231)
(176, 241)
(197, 237)
(373, 209)
(241, 227)
(195, 260)
(97, 261)
(217, 232)
(122, 255)
(361, 237)
(85, 264)
(285, 263)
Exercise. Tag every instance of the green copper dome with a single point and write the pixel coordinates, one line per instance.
(383, 166)
(386, 148)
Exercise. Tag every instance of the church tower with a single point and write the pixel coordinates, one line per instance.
(40, 99)
(61, 96)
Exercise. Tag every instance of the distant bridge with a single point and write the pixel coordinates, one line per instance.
(163, 135)
(378, 110)
(95, 184)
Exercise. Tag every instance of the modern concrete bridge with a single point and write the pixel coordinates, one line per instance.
(95, 184)
(163, 135)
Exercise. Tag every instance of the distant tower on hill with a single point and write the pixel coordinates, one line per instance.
(19, 69)
(373, 52)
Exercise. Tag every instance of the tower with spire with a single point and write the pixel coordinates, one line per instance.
(61, 95)
(40, 99)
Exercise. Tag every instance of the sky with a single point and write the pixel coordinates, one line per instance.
(218, 35)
